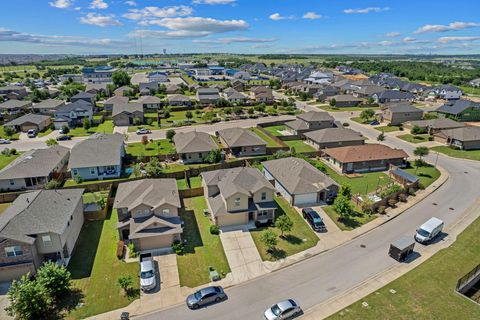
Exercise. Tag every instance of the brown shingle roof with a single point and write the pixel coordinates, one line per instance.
(366, 152)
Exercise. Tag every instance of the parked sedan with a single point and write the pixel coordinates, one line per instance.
(205, 296)
(283, 310)
(143, 131)
(5, 141)
(314, 219)
(64, 137)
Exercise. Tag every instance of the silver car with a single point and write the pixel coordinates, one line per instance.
(205, 296)
(283, 310)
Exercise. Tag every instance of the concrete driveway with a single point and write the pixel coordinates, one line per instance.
(242, 254)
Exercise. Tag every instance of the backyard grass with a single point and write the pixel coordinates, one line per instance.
(105, 127)
(95, 269)
(464, 154)
(71, 182)
(270, 142)
(428, 291)
(182, 184)
(299, 239)
(195, 182)
(414, 138)
(349, 223)
(427, 174)
(176, 167)
(388, 128)
(328, 108)
(202, 249)
(155, 148)
(15, 136)
(274, 130)
(300, 146)
(91, 197)
(4, 160)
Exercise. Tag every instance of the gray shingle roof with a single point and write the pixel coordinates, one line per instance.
(334, 135)
(126, 108)
(116, 99)
(83, 95)
(297, 124)
(30, 117)
(178, 97)
(298, 176)
(402, 107)
(193, 141)
(395, 94)
(49, 104)
(10, 104)
(240, 137)
(39, 212)
(97, 150)
(469, 133)
(149, 99)
(79, 105)
(440, 123)
(315, 116)
(458, 106)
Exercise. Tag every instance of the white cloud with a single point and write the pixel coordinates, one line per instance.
(131, 3)
(392, 34)
(409, 39)
(449, 27)
(61, 4)
(213, 2)
(235, 40)
(277, 16)
(311, 16)
(98, 4)
(365, 10)
(100, 20)
(457, 39)
(157, 12)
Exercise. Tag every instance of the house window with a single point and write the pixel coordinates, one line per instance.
(11, 182)
(264, 196)
(47, 241)
(92, 171)
(262, 214)
(166, 212)
(237, 202)
(13, 251)
(75, 172)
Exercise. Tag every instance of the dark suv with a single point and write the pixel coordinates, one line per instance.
(314, 219)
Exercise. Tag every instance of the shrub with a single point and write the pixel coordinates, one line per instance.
(381, 209)
(214, 229)
(120, 249)
(52, 184)
(411, 191)
(430, 138)
(132, 252)
(346, 124)
(178, 247)
(402, 197)
(392, 202)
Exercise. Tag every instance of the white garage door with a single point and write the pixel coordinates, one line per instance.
(308, 198)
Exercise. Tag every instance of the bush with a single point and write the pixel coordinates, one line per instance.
(214, 229)
(392, 202)
(120, 249)
(178, 247)
(132, 252)
(346, 124)
(381, 209)
(402, 197)
(13, 151)
(53, 184)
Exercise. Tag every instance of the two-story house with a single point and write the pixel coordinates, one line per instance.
(39, 226)
(72, 114)
(399, 113)
(310, 121)
(207, 95)
(84, 96)
(98, 157)
(148, 213)
(448, 92)
(238, 196)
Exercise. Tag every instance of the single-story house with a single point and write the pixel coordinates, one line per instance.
(48, 107)
(238, 85)
(238, 196)
(17, 92)
(333, 138)
(14, 107)
(344, 100)
(460, 110)
(123, 91)
(148, 213)
(236, 97)
(98, 157)
(299, 182)
(110, 102)
(39, 226)
(392, 96)
(193, 146)
(434, 125)
(30, 121)
(264, 96)
(146, 88)
(242, 142)
(365, 158)
(172, 89)
(465, 138)
(126, 114)
(179, 100)
(34, 169)
(310, 121)
(97, 88)
(208, 95)
(150, 102)
(396, 114)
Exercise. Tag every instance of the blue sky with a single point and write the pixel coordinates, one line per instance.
(240, 26)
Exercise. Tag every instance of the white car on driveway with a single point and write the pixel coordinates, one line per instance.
(148, 280)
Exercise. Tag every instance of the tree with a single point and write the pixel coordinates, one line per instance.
(346, 190)
(137, 121)
(125, 282)
(153, 168)
(28, 300)
(51, 142)
(269, 239)
(416, 130)
(189, 115)
(53, 184)
(55, 279)
(120, 78)
(370, 100)
(367, 114)
(9, 131)
(381, 137)
(284, 223)
(86, 123)
(170, 134)
(213, 156)
(343, 206)
(421, 152)
(333, 102)
(144, 140)
(65, 129)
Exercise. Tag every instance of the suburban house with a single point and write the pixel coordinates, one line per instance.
(475, 83)
(13, 92)
(193, 146)
(179, 100)
(236, 97)
(333, 137)
(325, 92)
(72, 114)
(399, 113)
(14, 107)
(148, 213)
(146, 88)
(29, 121)
(208, 95)
(172, 89)
(150, 102)
(365, 158)
(110, 102)
(98, 157)
(344, 100)
(157, 76)
(366, 91)
(238, 85)
(434, 125)
(460, 110)
(123, 91)
(84, 96)
(448, 92)
(465, 138)
(310, 121)
(264, 96)
(97, 88)
(299, 182)
(100, 74)
(34, 169)
(238, 196)
(242, 142)
(48, 107)
(39, 226)
(126, 114)
(392, 96)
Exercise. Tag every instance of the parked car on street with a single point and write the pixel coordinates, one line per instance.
(314, 219)
(205, 296)
(148, 279)
(64, 137)
(374, 123)
(5, 141)
(32, 133)
(429, 230)
(283, 310)
(143, 131)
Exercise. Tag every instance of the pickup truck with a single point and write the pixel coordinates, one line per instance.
(148, 279)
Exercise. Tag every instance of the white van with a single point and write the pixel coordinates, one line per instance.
(429, 230)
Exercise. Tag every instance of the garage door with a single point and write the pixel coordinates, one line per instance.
(308, 198)
(14, 272)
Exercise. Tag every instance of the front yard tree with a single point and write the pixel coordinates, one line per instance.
(284, 223)
(144, 140)
(125, 282)
(367, 114)
(381, 136)
(346, 190)
(170, 134)
(28, 300)
(65, 129)
(421, 152)
(86, 123)
(416, 130)
(343, 206)
(120, 78)
(55, 279)
(213, 156)
(9, 131)
(269, 239)
(189, 115)
(333, 103)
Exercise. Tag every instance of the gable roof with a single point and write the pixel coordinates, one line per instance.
(395, 94)
(240, 137)
(366, 152)
(149, 99)
(127, 108)
(457, 106)
(48, 104)
(467, 133)
(97, 150)
(334, 135)
(116, 99)
(439, 123)
(315, 116)
(79, 105)
(10, 104)
(37, 212)
(298, 176)
(193, 141)
(402, 107)
(178, 97)
(30, 117)
(83, 95)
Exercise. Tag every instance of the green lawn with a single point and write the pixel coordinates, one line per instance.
(44, 133)
(427, 174)
(464, 154)
(182, 184)
(105, 127)
(300, 146)
(202, 249)
(327, 107)
(273, 130)
(15, 136)
(299, 239)
(414, 138)
(71, 182)
(362, 121)
(195, 182)
(181, 116)
(91, 197)
(354, 221)
(176, 167)
(95, 269)
(270, 142)
(4, 160)
(428, 291)
(387, 128)
(163, 146)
